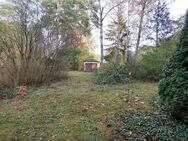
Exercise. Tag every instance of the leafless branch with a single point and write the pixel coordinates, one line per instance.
(112, 8)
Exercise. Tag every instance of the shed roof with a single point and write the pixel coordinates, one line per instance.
(91, 61)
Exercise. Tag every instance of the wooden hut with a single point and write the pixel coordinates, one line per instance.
(90, 66)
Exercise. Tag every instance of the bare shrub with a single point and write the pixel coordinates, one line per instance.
(26, 59)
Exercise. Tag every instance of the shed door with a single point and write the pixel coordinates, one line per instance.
(94, 66)
(88, 67)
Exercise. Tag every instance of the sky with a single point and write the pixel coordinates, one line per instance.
(178, 8)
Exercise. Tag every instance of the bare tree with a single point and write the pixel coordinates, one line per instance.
(144, 9)
(25, 55)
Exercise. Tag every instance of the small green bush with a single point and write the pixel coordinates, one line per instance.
(150, 67)
(6, 92)
(111, 73)
(173, 88)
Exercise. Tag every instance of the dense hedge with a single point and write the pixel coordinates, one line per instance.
(71, 56)
(173, 88)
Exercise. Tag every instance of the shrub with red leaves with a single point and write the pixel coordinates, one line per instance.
(21, 90)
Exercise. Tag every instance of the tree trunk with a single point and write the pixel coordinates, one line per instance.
(124, 56)
(157, 34)
(140, 30)
(101, 41)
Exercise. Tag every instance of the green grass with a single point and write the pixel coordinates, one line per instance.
(73, 109)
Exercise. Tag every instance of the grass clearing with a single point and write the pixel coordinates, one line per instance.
(73, 109)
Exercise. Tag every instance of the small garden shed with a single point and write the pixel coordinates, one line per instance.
(90, 66)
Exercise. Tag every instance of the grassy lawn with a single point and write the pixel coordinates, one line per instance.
(73, 109)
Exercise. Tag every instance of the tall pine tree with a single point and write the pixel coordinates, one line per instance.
(161, 24)
(173, 88)
(117, 34)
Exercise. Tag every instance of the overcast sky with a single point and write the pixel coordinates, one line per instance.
(178, 8)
